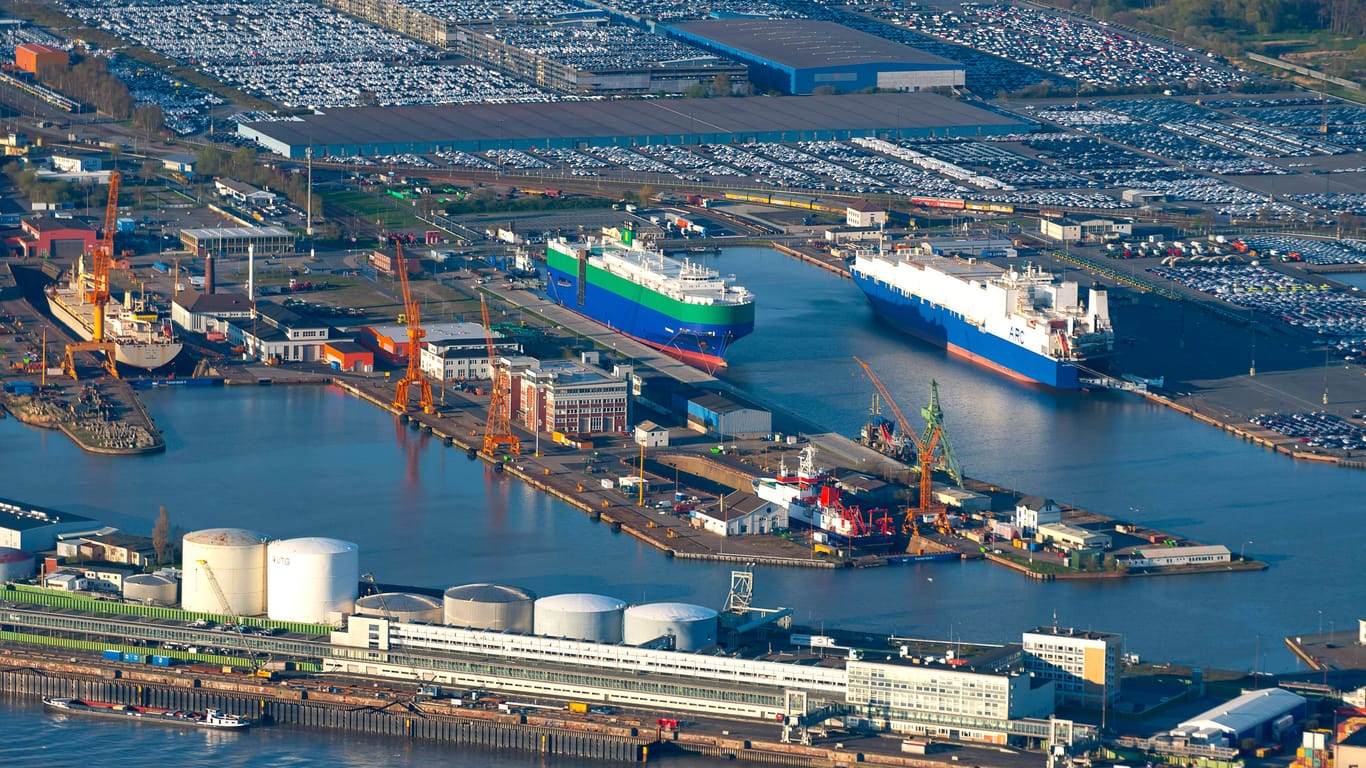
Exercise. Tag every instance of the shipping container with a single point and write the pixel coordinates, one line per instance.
(578, 706)
(111, 655)
(133, 658)
(161, 661)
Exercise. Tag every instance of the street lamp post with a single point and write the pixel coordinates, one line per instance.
(1242, 551)
(308, 225)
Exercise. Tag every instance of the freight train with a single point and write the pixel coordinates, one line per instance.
(816, 204)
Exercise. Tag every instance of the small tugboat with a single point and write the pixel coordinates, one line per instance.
(212, 718)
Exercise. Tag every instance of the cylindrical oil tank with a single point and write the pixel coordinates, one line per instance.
(312, 580)
(490, 606)
(596, 618)
(15, 564)
(401, 606)
(234, 560)
(692, 627)
(151, 588)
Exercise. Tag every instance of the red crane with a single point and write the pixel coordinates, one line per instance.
(498, 428)
(928, 456)
(412, 314)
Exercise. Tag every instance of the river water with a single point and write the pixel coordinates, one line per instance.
(313, 461)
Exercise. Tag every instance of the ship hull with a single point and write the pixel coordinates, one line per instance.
(137, 354)
(145, 714)
(937, 325)
(698, 335)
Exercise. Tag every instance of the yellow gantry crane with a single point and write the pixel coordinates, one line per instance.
(498, 428)
(98, 291)
(413, 376)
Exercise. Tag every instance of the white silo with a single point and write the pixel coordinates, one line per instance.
(232, 558)
(151, 588)
(401, 606)
(596, 618)
(15, 564)
(312, 580)
(490, 606)
(692, 627)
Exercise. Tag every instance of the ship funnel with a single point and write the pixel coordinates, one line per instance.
(208, 274)
(1099, 314)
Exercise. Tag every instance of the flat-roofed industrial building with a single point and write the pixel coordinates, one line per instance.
(234, 241)
(799, 56)
(370, 131)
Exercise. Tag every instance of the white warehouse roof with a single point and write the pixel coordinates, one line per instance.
(1245, 712)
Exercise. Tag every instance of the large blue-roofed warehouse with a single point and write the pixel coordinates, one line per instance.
(798, 56)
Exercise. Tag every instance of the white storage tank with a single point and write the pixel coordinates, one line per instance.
(236, 558)
(401, 606)
(490, 606)
(15, 564)
(692, 627)
(151, 588)
(596, 618)
(312, 580)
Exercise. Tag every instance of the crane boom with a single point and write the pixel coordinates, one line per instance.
(926, 450)
(412, 313)
(217, 590)
(498, 427)
(104, 254)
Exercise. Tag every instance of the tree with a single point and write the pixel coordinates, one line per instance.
(645, 194)
(149, 171)
(161, 534)
(149, 118)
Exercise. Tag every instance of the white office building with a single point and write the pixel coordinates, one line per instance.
(1084, 665)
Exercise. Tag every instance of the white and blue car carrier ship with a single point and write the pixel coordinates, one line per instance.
(1021, 322)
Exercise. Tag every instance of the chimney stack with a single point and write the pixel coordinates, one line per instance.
(208, 274)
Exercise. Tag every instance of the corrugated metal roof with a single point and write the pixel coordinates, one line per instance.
(498, 124)
(1246, 712)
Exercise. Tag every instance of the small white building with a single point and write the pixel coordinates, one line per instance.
(862, 213)
(76, 163)
(651, 435)
(740, 514)
(1158, 557)
(1066, 536)
(243, 193)
(1033, 511)
(67, 581)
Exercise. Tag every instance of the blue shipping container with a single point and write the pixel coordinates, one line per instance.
(1033, 546)
(158, 266)
(134, 658)
(161, 661)
(112, 656)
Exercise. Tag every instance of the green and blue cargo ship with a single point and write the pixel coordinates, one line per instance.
(680, 307)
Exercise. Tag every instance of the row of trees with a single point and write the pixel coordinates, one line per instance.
(27, 182)
(1239, 17)
(243, 164)
(89, 81)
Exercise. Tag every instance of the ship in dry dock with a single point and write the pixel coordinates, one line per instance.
(141, 335)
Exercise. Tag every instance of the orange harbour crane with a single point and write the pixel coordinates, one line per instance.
(98, 291)
(931, 450)
(498, 428)
(413, 376)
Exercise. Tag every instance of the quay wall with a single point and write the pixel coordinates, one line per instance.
(382, 717)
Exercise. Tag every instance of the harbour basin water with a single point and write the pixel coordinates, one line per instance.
(304, 461)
